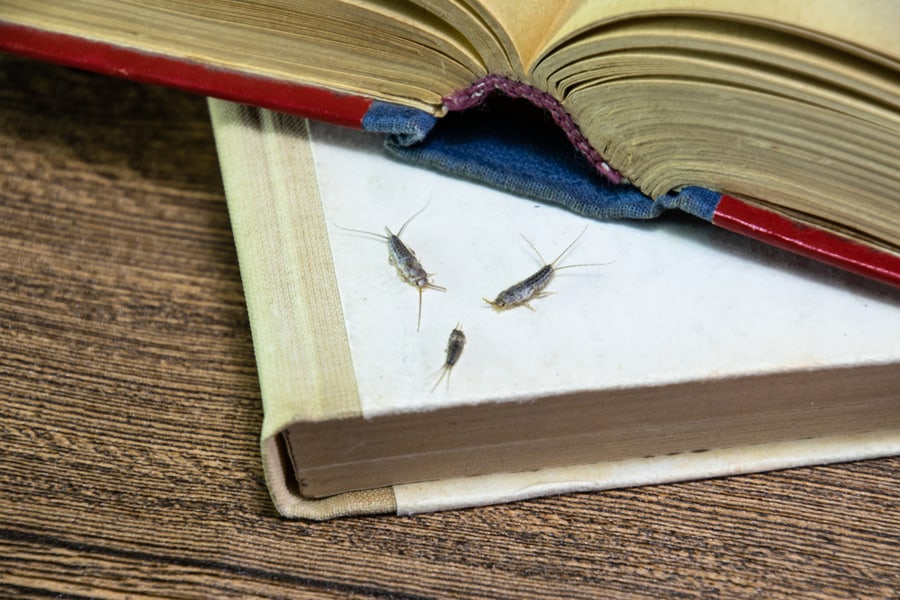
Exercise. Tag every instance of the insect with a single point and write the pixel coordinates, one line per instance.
(455, 344)
(521, 293)
(404, 259)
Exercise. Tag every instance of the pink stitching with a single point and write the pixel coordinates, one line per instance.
(478, 92)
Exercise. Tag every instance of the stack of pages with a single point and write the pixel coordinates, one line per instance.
(674, 351)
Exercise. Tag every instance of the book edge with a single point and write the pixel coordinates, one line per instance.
(471, 492)
(812, 242)
(452, 494)
(290, 504)
(475, 440)
(144, 67)
(286, 268)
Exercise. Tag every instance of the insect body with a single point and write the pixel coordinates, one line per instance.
(404, 259)
(455, 344)
(521, 293)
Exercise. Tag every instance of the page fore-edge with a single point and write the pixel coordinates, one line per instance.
(348, 110)
(144, 67)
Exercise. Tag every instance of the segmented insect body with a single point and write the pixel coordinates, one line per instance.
(455, 344)
(525, 290)
(406, 262)
(521, 293)
(404, 259)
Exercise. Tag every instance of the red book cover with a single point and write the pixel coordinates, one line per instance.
(772, 228)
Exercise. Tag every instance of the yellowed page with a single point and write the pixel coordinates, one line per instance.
(523, 27)
(392, 51)
(870, 25)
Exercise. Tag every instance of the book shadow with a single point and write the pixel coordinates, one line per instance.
(127, 173)
(514, 146)
(158, 133)
(770, 257)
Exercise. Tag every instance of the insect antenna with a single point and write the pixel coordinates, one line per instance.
(416, 214)
(363, 231)
(419, 318)
(563, 253)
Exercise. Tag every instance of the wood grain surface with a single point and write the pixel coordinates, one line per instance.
(129, 464)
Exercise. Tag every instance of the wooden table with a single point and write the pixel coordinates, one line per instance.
(130, 411)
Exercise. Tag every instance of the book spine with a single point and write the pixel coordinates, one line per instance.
(778, 230)
(228, 84)
(476, 94)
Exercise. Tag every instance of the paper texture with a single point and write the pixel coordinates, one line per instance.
(507, 487)
(680, 301)
(663, 302)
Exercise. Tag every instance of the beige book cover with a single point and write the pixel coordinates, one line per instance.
(335, 334)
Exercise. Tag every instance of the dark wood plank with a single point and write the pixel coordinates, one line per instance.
(130, 411)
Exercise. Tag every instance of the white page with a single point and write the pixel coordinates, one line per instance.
(682, 299)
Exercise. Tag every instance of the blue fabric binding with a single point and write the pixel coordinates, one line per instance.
(511, 146)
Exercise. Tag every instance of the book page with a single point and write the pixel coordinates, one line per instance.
(866, 24)
(522, 27)
(671, 301)
(756, 109)
(394, 51)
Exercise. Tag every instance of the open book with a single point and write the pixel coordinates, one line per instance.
(790, 112)
(674, 351)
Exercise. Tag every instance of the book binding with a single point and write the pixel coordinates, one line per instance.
(588, 185)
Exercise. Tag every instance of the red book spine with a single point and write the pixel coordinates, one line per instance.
(194, 77)
(777, 230)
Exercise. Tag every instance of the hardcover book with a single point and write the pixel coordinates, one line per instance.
(657, 351)
(774, 119)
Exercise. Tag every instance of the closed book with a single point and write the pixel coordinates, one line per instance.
(659, 351)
